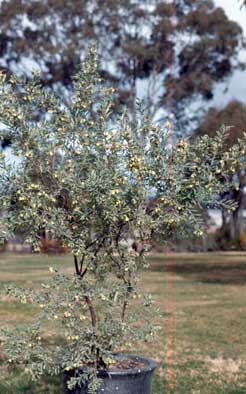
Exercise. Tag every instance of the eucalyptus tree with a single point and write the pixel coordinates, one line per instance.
(136, 41)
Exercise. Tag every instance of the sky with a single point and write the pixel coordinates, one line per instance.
(236, 85)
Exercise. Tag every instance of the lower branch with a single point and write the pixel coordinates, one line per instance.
(92, 313)
(129, 290)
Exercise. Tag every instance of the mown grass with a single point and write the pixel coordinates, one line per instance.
(205, 302)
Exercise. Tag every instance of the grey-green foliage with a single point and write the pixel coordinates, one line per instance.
(93, 183)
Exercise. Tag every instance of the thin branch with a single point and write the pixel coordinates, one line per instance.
(126, 302)
(92, 313)
(75, 259)
(81, 265)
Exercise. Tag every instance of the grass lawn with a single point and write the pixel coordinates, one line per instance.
(205, 305)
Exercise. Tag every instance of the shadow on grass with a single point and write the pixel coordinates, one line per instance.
(208, 272)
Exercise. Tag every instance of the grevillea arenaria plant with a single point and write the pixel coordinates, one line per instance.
(94, 178)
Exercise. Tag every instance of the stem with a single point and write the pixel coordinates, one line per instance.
(92, 313)
(94, 349)
(80, 272)
(125, 304)
(124, 310)
(76, 265)
(87, 299)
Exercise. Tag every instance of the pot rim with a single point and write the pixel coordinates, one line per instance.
(149, 367)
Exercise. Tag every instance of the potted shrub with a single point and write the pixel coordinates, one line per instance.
(94, 180)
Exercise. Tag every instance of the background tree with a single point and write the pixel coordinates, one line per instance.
(136, 43)
(234, 115)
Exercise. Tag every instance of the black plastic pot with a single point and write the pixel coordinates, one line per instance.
(117, 381)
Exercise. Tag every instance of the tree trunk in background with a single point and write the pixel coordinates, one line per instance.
(236, 219)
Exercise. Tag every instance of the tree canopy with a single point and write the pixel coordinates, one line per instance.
(233, 114)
